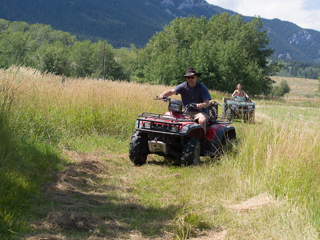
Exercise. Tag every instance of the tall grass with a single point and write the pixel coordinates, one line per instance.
(53, 109)
(24, 162)
(284, 152)
(56, 111)
(278, 154)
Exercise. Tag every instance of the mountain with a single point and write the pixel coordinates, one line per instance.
(123, 22)
(292, 42)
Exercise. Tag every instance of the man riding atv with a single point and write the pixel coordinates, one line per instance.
(177, 133)
(193, 92)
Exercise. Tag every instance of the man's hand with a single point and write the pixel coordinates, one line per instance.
(167, 94)
(199, 105)
(160, 96)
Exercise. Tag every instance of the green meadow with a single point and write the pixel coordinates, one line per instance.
(65, 171)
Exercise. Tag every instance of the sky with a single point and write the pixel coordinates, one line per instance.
(304, 13)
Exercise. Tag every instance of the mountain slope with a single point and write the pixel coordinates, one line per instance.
(292, 42)
(123, 22)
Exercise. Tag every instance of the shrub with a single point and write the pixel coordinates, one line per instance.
(281, 90)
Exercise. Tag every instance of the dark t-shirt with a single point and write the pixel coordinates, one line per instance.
(197, 94)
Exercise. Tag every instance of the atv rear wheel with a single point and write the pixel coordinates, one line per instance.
(191, 152)
(138, 150)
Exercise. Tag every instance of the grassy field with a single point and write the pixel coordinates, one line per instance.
(65, 171)
(300, 87)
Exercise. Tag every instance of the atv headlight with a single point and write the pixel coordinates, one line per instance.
(147, 125)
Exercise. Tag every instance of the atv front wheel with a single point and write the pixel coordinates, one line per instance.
(191, 152)
(226, 145)
(251, 117)
(138, 150)
(228, 114)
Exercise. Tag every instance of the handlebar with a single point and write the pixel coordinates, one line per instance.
(165, 99)
(214, 102)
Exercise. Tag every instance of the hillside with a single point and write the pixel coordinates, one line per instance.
(300, 87)
(123, 22)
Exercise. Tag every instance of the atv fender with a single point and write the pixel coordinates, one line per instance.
(218, 131)
(192, 130)
(216, 137)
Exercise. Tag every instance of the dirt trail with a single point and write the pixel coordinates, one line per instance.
(85, 203)
(75, 193)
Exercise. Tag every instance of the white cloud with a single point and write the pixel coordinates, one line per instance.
(304, 13)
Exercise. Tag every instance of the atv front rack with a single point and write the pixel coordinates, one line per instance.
(171, 118)
(155, 122)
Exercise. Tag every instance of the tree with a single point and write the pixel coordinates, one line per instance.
(14, 44)
(281, 90)
(80, 56)
(126, 58)
(54, 58)
(113, 70)
(225, 49)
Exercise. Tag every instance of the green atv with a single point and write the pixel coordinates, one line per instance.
(238, 108)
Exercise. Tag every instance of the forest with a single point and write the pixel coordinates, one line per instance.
(224, 48)
(299, 69)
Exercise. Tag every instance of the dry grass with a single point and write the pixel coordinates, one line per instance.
(300, 87)
(252, 203)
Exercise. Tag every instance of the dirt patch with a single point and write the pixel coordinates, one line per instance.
(46, 237)
(252, 203)
(76, 194)
(212, 235)
(80, 178)
(93, 199)
(136, 235)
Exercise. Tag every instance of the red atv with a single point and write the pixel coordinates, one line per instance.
(175, 134)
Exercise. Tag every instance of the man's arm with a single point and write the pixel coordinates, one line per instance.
(203, 105)
(205, 95)
(167, 93)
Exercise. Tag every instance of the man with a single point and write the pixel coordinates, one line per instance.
(193, 92)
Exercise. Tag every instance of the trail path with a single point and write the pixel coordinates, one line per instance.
(86, 203)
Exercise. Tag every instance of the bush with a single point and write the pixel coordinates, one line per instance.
(281, 90)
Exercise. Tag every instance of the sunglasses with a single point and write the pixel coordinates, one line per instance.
(190, 77)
